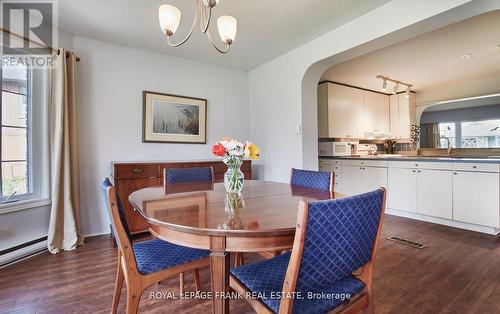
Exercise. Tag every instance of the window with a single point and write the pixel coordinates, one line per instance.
(23, 135)
(481, 134)
(15, 133)
(447, 133)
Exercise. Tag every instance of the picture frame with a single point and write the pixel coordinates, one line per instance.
(168, 118)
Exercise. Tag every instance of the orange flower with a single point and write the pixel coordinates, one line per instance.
(218, 150)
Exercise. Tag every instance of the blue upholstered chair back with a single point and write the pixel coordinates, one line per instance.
(340, 236)
(311, 179)
(104, 187)
(185, 175)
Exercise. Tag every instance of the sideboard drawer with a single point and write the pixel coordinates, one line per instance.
(124, 171)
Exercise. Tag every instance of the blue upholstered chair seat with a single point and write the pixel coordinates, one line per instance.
(155, 255)
(267, 277)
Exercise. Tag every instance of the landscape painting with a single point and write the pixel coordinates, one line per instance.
(173, 119)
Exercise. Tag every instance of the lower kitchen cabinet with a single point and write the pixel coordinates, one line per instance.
(476, 198)
(361, 179)
(374, 178)
(353, 180)
(434, 193)
(402, 189)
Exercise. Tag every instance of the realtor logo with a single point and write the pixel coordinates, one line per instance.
(28, 27)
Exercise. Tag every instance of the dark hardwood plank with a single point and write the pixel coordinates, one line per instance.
(458, 272)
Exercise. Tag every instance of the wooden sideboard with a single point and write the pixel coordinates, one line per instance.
(132, 176)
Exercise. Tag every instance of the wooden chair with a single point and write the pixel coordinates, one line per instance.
(148, 262)
(333, 252)
(188, 175)
(318, 180)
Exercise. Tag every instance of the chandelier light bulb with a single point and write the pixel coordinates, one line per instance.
(170, 18)
(227, 26)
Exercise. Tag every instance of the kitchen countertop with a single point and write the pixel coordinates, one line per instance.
(486, 159)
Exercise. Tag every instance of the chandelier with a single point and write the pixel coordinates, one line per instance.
(170, 18)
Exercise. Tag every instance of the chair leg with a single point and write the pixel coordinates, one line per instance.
(369, 309)
(197, 279)
(238, 259)
(133, 299)
(181, 282)
(118, 285)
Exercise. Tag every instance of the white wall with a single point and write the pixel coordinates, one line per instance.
(111, 79)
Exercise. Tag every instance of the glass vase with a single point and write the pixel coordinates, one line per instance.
(234, 178)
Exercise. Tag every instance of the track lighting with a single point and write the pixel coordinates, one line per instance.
(397, 84)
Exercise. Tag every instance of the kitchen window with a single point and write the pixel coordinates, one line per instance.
(481, 134)
(24, 144)
(447, 132)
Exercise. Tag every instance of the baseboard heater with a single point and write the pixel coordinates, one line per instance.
(21, 251)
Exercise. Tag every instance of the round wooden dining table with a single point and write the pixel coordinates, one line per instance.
(202, 215)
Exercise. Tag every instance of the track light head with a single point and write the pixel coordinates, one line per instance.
(384, 85)
(407, 93)
(396, 87)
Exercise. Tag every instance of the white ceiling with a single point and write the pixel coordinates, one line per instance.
(266, 28)
(431, 59)
(466, 103)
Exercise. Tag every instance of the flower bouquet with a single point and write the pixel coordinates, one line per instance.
(232, 152)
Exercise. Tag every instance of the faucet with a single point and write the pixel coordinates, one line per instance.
(450, 148)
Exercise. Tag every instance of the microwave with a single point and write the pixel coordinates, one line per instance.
(327, 149)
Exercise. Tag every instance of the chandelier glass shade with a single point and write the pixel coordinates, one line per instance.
(170, 17)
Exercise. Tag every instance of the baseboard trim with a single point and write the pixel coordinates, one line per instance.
(23, 251)
(445, 222)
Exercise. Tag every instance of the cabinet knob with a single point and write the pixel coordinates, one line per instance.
(414, 171)
(474, 167)
(416, 165)
(455, 173)
(419, 171)
(137, 170)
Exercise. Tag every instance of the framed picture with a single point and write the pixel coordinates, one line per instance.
(173, 119)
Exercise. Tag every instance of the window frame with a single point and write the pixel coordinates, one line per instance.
(458, 131)
(38, 93)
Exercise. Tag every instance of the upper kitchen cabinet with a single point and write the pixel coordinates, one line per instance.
(402, 115)
(376, 113)
(340, 111)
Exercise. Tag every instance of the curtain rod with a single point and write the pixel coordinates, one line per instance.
(56, 51)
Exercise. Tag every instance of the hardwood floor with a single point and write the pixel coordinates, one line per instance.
(458, 272)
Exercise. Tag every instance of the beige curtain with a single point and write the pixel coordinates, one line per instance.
(65, 231)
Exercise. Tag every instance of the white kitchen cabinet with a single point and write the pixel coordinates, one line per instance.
(376, 113)
(434, 193)
(352, 180)
(476, 198)
(335, 166)
(374, 178)
(361, 179)
(402, 115)
(340, 111)
(323, 111)
(402, 189)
